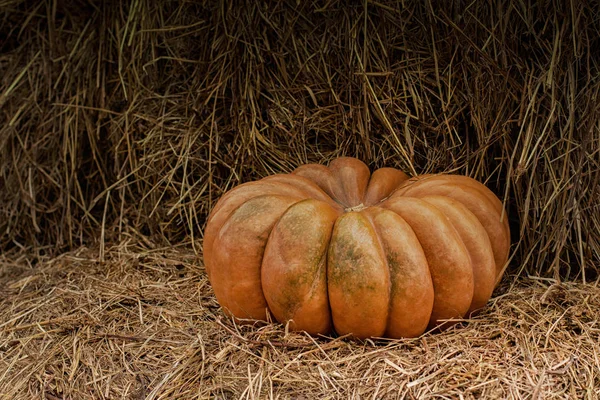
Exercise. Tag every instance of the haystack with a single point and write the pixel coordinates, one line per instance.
(122, 123)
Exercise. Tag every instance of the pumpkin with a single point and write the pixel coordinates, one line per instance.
(336, 248)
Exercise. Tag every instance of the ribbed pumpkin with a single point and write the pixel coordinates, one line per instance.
(336, 248)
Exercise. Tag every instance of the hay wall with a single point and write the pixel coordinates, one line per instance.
(132, 119)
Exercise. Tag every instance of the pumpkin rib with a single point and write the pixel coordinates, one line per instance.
(322, 177)
(352, 177)
(269, 185)
(428, 180)
(242, 189)
(368, 213)
(322, 268)
(357, 290)
(310, 188)
(479, 205)
(236, 272)
(411, 287)
(477, 242)
(236, 191)
(491, 196)
(323, 265)
(232, 201)
(447, 257)
(382, 183)
(284, 265)
(425, 181)
(466, 180)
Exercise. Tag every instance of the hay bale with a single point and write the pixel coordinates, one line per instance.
(144, 324)
(143, 114)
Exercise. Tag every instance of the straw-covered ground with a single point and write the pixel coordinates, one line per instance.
(141, 323)
(122, 123)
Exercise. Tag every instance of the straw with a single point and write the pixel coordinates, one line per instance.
(144, 114)
(145, 324)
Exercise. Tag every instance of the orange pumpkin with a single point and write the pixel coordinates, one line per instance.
(336, 248)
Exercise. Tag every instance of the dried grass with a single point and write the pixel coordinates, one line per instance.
(144, 324)
(144, 113)
(121, 124)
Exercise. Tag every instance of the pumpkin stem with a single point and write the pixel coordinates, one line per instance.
(359, 207)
